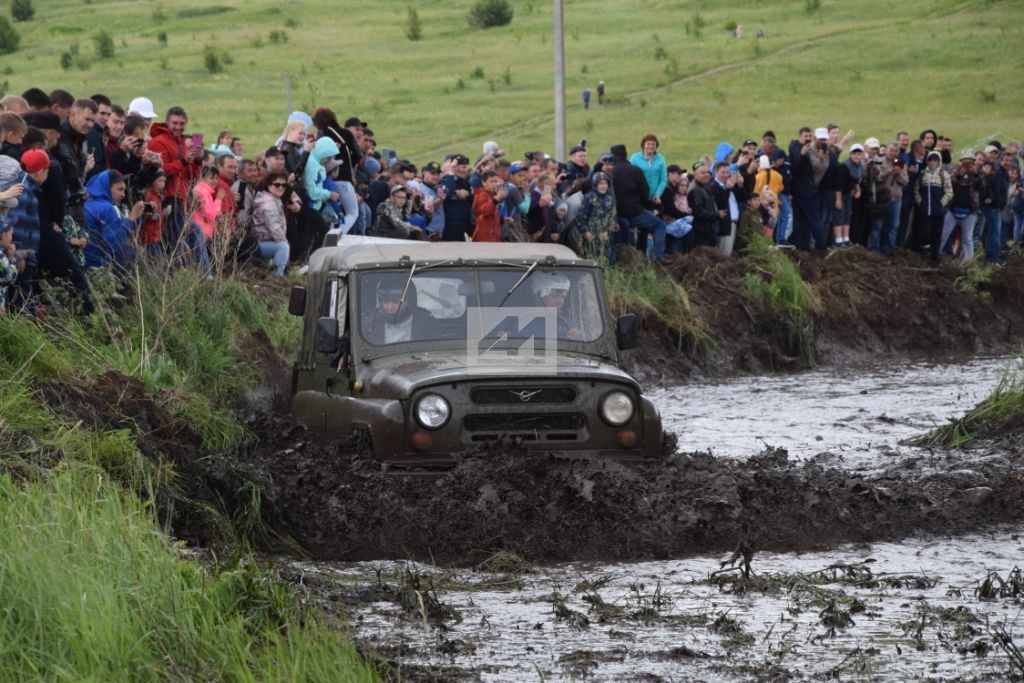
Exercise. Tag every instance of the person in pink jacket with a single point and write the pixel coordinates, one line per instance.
(207, 199)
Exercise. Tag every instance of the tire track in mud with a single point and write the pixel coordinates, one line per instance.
(339, 507)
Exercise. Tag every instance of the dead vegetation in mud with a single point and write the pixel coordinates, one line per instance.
(856, 306)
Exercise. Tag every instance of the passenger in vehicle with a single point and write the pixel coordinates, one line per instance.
(551, 290)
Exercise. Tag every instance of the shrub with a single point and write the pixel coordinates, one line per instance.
(66, 60)
(22, 10)
(413, 25)
(278, 37)
(731, 25)
(162, 37)
(212, 60)
(104, 45)
(9, 38)
(488, 13)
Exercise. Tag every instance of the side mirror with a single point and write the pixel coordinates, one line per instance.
(626, 336)
(297, 301)
(326, 340)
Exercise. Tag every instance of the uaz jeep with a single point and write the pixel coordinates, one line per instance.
(433, 348)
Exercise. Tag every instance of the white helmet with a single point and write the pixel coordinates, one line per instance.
(543, 283)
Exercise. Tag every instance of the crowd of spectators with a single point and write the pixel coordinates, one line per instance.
(87, 183)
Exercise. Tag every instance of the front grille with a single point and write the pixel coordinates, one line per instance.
(527, 426)
(522, 395)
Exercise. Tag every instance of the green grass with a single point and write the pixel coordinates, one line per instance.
(1004, 407)
(648, 291)
(775, 279)
(120, 603)
(872, 66)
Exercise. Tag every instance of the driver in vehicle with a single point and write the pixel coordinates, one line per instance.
(394, 321)
(551, 291)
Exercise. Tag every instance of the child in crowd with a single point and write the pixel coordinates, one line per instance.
(111, 232)
(596, 218)
(486, 199)
(152, 230)
(10, 263)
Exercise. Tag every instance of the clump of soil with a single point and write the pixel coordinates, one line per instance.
(338, 506)
(872, 307)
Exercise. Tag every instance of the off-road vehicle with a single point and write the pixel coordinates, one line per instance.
(433, 348)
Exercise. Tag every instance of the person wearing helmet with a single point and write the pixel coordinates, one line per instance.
(395, 320)
(551, 290)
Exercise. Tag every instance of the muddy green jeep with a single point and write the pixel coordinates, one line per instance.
(431, 349)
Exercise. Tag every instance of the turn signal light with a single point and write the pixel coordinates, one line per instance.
(627, 438)
(422, 441)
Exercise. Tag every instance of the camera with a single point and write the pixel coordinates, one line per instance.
(149, 207)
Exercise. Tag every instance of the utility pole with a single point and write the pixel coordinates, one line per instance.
(559, 43)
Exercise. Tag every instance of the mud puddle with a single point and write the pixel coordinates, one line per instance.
(531, 569)
(913, 610)
(857, 416)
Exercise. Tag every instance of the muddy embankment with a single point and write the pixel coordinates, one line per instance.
(862, 308)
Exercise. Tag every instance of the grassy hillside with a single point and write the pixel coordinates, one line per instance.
(670, 67)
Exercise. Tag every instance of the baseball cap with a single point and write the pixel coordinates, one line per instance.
(966, 154)
(991, 148)
(821, 133)
(749, 141)
(355, 121)
(674, 168)
(491, 147)
(764, 163)
(273, 152)
(934, 154)
(143, 106)
(577, 148)
(871, 142)
(460, 158)
(517, 167)
(697, 164)
(399, 188)
(432, 167)
(856, 148)
(35, 160)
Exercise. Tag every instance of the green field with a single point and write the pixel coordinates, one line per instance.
(876, 67)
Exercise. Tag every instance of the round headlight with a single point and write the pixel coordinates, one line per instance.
(433, 411)
(617, 408)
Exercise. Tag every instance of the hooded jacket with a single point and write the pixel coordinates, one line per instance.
(207, 210)
(110, 233)
(933, 190)
(180, 173)
(315, 174)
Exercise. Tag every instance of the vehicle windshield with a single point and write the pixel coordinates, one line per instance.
(438, 304)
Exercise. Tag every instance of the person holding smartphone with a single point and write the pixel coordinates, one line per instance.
(182, 161)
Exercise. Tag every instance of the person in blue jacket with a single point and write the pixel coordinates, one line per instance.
(111, 231)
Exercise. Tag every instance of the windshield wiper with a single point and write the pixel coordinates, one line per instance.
(519, 282)
(412, 272)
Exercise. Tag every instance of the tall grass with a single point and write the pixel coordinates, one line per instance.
(92, 590)
(1004, 407)
(650, 291)
(775, 280)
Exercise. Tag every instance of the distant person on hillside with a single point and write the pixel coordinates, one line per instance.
(586, 98)
(600, 92)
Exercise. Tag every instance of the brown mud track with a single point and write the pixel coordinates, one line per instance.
(339, 507)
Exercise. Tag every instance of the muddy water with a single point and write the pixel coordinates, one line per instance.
(857, 415)
(662, 621)
(909, 612)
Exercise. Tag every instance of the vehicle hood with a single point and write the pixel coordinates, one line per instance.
(400, 376)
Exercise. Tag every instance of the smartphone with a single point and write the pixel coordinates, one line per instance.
(197, 141)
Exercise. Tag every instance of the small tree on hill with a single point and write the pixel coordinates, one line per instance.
(9, 38)
(413, 25)
(488, 13)
(104, 45)
(22, 10)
